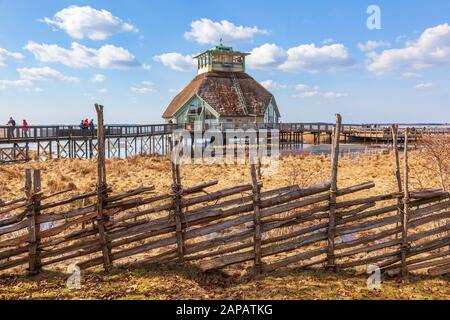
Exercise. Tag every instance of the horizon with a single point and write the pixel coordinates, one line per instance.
(58, 58)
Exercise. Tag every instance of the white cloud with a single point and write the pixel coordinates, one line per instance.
(425, 85)
(29, 75)
(305, 87)
(410, 75)
(87, 22)
(431, 49)
(332, 94)
(307, 94)
(15, 83)
(206, 31)
(6, 55)
(371, 45)
(401, 38)
(266, 56)
(37, 90)
(306, 57)
(177, 61)
(309, 58)
(79, 56)
(44, 74)
(328, 41)
(270, 84)
(306, 91)
(98, 78)
(144, 87)
(146, 66)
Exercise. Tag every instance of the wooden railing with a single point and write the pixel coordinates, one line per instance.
(34, 133)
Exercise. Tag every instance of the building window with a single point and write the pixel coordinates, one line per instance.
(192, 109)
(209, 115)
(270, 116)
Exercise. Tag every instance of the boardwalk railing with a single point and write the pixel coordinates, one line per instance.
(14, 154)
(35, 133)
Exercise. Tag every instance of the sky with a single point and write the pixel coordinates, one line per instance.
(388, 63)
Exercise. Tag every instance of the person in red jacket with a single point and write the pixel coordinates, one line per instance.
(25, 128)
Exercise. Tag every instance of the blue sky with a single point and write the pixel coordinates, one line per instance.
(57, 58)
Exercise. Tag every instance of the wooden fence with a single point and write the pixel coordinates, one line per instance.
(321, 226)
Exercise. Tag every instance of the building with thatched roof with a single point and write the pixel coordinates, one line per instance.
(222, 93)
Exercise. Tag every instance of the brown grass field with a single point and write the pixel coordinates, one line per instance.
(144, 282)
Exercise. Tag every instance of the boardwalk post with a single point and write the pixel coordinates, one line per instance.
(405, 216)
(256, 218)
(331, 263)
(102, 218)
(177, 190)
(33, 192)
(394, 131)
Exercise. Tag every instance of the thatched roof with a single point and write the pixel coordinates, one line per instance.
(216, 89)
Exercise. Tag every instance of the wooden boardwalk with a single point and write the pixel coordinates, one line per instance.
(48, 142)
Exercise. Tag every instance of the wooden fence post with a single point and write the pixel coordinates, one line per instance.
(176, 200)
(102, 218)
(33, 192)
(405, 216)
(394, 131)
(331, 263)
(256, 218)
(259, 170)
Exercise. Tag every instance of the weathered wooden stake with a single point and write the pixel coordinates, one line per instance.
(176, 200)
(102, 218)
(33, 192)
(394, 131)
(256, 218)
(258, 169)
(331, 263)
(405, 217)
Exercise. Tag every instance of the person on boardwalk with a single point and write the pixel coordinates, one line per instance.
(92, 127)
(12, 126)
(25, 128)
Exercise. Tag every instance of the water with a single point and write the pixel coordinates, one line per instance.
(326, 149)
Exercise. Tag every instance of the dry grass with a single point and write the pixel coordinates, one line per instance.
(134, 172)
(145, 283)
(150, 282)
